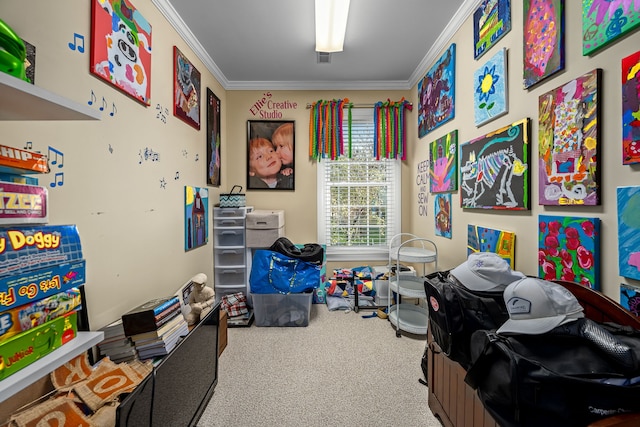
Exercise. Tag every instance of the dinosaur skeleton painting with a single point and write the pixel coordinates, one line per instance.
(495, 171)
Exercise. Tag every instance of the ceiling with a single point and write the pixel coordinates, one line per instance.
(253, 44)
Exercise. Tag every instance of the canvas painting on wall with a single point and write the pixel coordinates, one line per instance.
(543, 42)
(491, 21)
(490, 97)
(628, 205)
(500, 242)
(186, 90)
(630, 298)
(604, 21)
(494, 169)
(436, 92)
(568, 137)
(213, 139)
(443, 166)
(270, 154)
(631, 109)
(569, 249)
(115, 30)
(442, 214)
(196, 217)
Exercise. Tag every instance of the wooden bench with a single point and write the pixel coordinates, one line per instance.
(457, 405)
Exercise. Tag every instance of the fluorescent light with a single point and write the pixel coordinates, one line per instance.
(331, 24)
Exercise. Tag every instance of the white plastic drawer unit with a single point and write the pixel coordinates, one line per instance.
(228, 222)
(229, 237)
(230, 277)
(230, 257)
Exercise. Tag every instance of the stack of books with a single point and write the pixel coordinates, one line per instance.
(155, 327)
(116, 345)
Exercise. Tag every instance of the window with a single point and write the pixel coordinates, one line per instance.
(358, 197)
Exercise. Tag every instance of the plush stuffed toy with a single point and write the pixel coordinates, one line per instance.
(201, 299)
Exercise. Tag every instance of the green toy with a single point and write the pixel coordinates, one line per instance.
(12, 52)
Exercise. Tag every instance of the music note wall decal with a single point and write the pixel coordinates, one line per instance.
(58, 180)
(58, 155)
(28, 145)
(93, 98)
(104, 104)
(114, 110)
(73, 46)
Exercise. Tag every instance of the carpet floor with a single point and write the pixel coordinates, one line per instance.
(340, 370)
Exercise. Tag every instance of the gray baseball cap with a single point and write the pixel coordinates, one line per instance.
(536, 306)
(485, 271)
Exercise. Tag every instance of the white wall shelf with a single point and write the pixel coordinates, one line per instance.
(20, 100)
(38, 369)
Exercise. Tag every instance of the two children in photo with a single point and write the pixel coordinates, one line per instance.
(271, 162)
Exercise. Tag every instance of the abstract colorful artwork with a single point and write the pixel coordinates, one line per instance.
(196, 217)
(436, 92)
(442, 213)
(494, 169)
(491, 21)
(569, 249)
(568, 136)
(213, 139)
(543, 23)
(443, 166)
(484, 239)
(186, 90)
(628, 205)
(631, 109)
(630, 298)
(117, 27)
(490, 99)
(603, 21)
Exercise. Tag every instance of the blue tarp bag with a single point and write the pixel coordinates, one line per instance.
(275, 273)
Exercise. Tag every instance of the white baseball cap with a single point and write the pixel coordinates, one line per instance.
(485, 271)
(537, 306)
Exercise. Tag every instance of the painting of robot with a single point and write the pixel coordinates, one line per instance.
(494, 169)
(485, 239)
(568, 138)
(121, 48)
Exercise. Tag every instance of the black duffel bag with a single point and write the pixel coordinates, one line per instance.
(573, 375)
(309, 252)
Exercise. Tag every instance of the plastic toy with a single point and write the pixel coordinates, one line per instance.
(12, 52)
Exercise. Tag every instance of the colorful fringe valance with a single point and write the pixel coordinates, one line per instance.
(390, 139)
(325, 129)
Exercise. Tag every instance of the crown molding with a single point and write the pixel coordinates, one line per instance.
(320, 85)
(465, 10)
(178, 24)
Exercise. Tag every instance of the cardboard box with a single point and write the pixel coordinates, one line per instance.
(22, 350)
(24, 249)
(222, 332)
(282, 310)
(35, 285)
(28, 316)
(264, 227)
(23, 204)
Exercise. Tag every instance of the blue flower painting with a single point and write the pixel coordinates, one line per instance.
(490, 95)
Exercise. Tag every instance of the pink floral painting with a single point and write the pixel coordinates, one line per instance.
(569, 249)
(443, 167)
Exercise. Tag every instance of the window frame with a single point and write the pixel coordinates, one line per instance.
(358, 253)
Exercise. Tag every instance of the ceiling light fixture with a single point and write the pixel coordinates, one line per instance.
(331, 24)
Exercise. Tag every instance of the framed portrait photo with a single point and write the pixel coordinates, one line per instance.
(270, 154)
(186, 90)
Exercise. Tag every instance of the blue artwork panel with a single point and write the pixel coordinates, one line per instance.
(490, 95)
(629, 231)
(491, 21)
(436, 92)
(630, 298)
